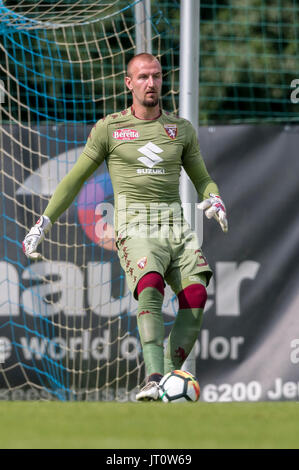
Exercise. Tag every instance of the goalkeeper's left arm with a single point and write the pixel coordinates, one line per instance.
(206, 188)
(62, 198)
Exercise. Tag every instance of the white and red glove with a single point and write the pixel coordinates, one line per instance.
(214, 207)
(35, 237)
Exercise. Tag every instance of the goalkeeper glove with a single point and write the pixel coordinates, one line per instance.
(35, 236)
(215, 208)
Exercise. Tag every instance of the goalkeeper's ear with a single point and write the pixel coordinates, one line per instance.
(128, 83)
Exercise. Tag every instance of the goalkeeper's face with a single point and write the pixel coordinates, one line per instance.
(145, 82)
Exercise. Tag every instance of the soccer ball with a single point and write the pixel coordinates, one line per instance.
(179, 386)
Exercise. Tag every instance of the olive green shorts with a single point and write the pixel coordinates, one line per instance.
(176, 255)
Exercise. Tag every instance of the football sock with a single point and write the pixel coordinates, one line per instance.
(150, 323)
(186, 327)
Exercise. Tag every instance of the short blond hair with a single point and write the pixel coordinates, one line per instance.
(144, 55)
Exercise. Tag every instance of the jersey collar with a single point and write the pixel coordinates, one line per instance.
(140, 119)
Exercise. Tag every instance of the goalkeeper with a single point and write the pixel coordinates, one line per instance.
(144, 148)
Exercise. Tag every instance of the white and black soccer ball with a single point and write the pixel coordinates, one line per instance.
(179, 386)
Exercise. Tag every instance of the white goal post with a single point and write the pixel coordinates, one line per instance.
(188, 107)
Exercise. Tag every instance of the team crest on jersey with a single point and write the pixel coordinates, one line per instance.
(125, 134)
(142, 262)
(171, 130)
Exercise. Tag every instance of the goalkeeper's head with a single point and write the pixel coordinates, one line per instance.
(144, 79)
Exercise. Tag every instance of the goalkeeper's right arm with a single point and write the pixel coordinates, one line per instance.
(62, 198)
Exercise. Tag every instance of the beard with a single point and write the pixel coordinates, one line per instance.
(150, 102)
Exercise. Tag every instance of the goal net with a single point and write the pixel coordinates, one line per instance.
(68, 322)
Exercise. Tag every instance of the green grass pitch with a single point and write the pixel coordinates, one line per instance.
(90, 425)
(56, 425)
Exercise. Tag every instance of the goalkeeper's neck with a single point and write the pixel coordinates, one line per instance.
(146, 113)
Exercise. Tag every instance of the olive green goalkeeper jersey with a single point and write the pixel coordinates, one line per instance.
(144, 160)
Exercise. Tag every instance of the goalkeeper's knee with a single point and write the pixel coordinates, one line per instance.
(153, 280)
(192, 297)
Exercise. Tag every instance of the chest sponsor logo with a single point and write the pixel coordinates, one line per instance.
(150, 154)
(125, 134)
(171, 130)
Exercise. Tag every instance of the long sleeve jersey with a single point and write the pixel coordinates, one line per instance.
(144, 159)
